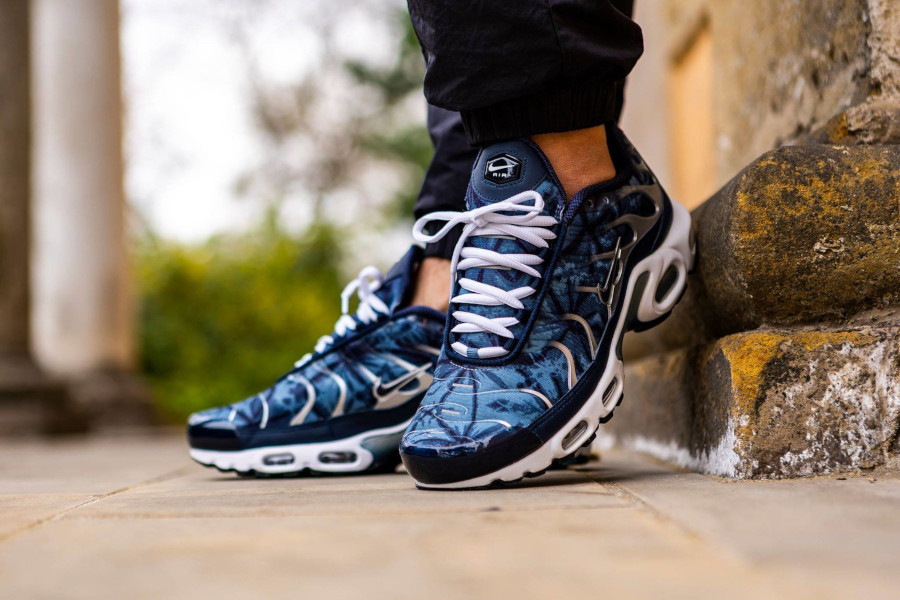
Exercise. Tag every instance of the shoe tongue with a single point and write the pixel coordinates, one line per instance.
(508, 168)
(398, 281)
(502, 171)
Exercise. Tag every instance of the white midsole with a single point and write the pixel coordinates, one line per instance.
(305, 456)
(675, 251)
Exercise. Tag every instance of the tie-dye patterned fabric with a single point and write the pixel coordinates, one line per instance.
(474, 403)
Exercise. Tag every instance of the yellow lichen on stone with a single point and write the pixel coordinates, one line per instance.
(749, 353)
(818, 199)
(837, 129)
(816, 234)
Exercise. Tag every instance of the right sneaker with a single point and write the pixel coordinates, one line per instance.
(544, 289)
(344, 407)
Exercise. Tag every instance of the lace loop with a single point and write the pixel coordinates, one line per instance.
(508, 218)
(370, 306)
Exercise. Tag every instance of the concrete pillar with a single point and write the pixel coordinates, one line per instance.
(27, 398)
(83, 321)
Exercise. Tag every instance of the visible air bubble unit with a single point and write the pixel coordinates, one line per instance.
(666, 283)
(278, 459)
(574, 434)
(607, 395)
(335, 458)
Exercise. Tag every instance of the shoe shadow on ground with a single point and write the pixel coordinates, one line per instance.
(301, 476)
(550, 479)
(573, 475)
(595, 472)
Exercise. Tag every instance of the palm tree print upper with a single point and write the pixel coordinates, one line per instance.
(380, 358)
(561, 301)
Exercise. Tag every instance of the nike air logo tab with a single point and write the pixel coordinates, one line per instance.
(503, 168)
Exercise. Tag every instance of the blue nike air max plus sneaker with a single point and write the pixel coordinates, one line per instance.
(343, 408)
(543, 291)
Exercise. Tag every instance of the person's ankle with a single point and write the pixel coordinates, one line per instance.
(580, 158)
(432, 287)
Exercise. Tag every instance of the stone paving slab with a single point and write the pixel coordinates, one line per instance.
(86, 466)
(153, 525)
(207, 495)
(546, 553)
(23, 511)
(836, 533)
(772, 521)
(41, 480)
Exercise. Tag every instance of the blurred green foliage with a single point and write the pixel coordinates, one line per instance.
(222, 320)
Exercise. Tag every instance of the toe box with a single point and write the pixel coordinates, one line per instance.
(208, 430)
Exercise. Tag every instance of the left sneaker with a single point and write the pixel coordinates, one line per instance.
(343, 407)
(544, 291)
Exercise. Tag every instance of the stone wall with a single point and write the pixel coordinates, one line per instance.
(782, 359)
(784, 72)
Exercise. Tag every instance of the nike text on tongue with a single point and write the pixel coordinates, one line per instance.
(524, 223)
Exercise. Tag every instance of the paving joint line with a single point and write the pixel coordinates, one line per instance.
(97, 498)
(642, 504)
(769, 575)
(492, 510)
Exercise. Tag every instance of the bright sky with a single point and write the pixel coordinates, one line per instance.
(189, 129)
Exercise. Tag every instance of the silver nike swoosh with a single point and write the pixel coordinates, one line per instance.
(495, 168)
(608, 291)
(386, 395)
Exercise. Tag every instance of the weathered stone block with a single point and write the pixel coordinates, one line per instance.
(770, 403)
(803, 234)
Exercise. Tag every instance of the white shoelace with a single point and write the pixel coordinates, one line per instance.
(526, 223)
(370, 305)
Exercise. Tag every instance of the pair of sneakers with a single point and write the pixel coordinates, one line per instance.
(522, 370)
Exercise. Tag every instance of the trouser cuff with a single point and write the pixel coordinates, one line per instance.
(578, 105)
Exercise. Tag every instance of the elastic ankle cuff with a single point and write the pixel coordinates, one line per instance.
(578, 105)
